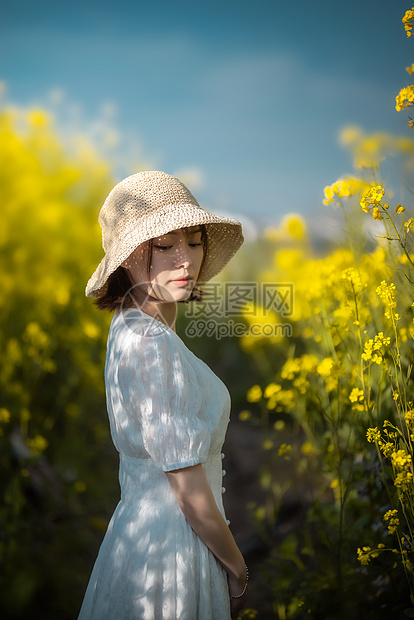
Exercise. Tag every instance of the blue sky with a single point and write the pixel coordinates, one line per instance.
(250, 96)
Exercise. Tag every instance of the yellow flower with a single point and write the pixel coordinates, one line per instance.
(409, 416)
(400, 209)
(254, 394)
(372, 196)
(393, 521)
(244, 415)
(376, 214)
(400, 459)
(354, 277)
(407, 21)
(410, 69)
(367, 353)
(285, 451)
(404, 481)
(294, 225)
(386, 293)
(290, 368)
(308, 363)
(272, 389)
(338, 488)
(364, 556)
(4, 416)
(91, 330)
(405, 98)
(381, 340)
(409, 224)
(307, 448)
(38, 119)
(37, 444)
(373, 435)
(345, 187)
(329, 195)
(372, 348)
(325, 367)
(356, 395)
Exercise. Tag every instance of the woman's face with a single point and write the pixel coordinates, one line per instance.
(175, 265)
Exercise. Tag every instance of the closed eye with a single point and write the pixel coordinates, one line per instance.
(163, 247)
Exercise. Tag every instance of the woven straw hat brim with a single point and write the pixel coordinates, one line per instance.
(224, 238)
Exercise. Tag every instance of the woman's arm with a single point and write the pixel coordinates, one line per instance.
(196, 500)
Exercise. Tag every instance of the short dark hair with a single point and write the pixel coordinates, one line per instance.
(118, 284)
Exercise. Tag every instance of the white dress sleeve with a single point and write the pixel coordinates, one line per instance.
(159, 388)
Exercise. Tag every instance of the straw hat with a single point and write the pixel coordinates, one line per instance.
(150, 204)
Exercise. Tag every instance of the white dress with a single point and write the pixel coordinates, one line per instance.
(167, 410)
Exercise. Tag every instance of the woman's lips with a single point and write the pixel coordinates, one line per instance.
(182, 281)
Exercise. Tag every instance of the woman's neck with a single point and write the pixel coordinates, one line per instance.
(165, 312)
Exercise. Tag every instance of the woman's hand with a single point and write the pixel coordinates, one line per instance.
(196, 500)
(237, 604)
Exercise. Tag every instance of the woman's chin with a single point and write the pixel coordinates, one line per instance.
(182, 295)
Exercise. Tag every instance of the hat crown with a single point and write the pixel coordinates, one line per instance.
(136, 198)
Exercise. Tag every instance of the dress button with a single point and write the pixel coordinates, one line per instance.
(227, 522)
(222, 455)
(223, 490)
(223, 472)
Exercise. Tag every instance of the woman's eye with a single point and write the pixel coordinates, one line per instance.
(194, 245)
(163, 247)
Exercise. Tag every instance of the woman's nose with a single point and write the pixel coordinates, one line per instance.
(183, 256)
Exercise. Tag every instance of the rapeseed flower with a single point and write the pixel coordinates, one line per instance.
(307, 448)
(387, 294)
(408, 225)
(400, 459)
(373, 435)
(281, 400)
(393, 520)
(404, 481)
(290, 368)
(37, 444)
(343, 188)
(357, 398)
(372, 197)
(254, 394)
(272, 389)
(405, 98)
(364, 555)
(407, 21)
(324, 368)
(4, 416)
(244, 415)
(370, 353)
(294, 225)
(285, 451)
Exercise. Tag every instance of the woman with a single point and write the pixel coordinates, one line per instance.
(168, 553)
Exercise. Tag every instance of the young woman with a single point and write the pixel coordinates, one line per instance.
(168, 553)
